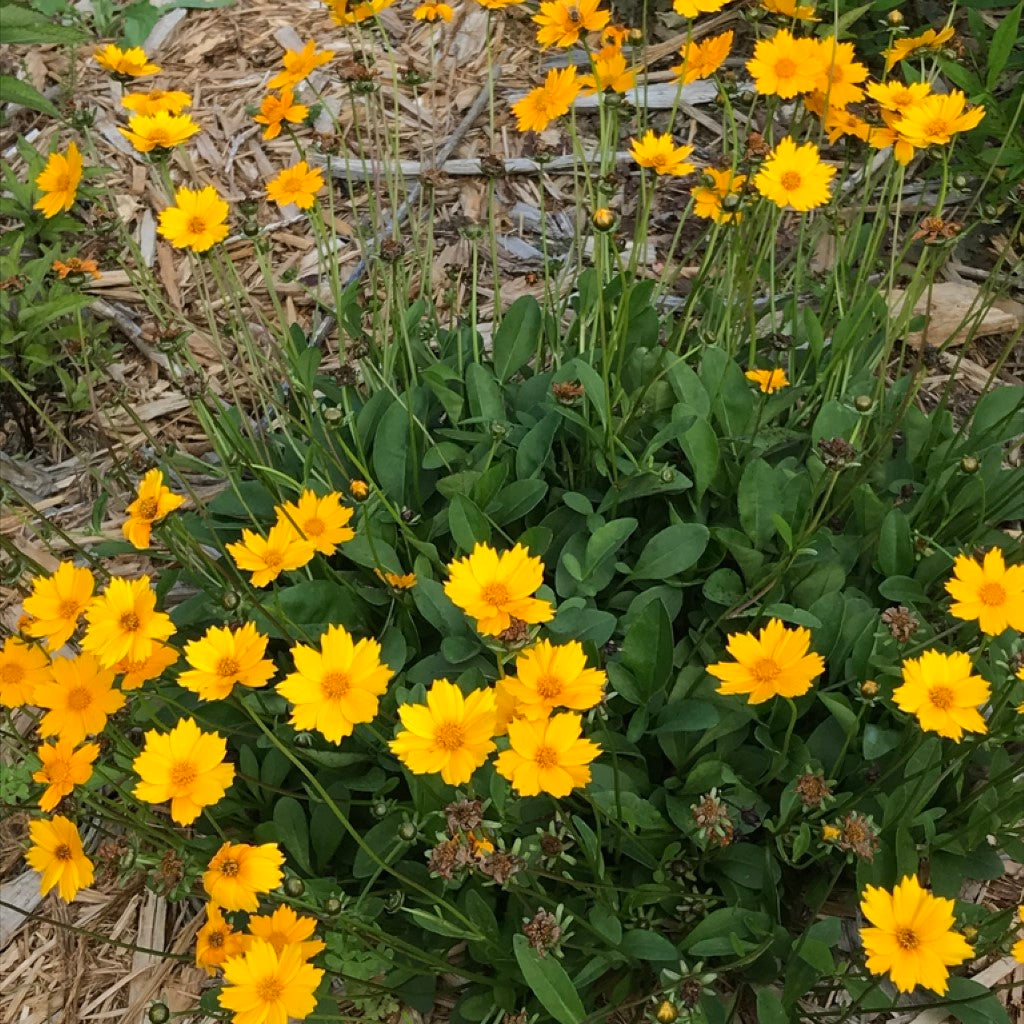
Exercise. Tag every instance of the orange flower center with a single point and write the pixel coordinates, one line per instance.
(937, 126)
(269, 990)
(229, 867)
(765, 670)
(906, 938)
(183, 773)
(546, 757)
(785, 68)
(835, 74)
(791, 180)
(941, 697)
(63, 852)
(196, 226)
(227, 668)
(79, 698)
(215, 939)
(313, 527)
(549, 687)
(11, 674)
(272, 559)
(449, 736)
(335, 685)
(57, 772)
(160, 137)
(148, 508)
(129, 622)
(992, 594)
(68, 609)
(659, 160)
(495, 594)
(62, 183)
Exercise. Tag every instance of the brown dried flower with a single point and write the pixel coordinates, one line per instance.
(935, 229)
(858, 835)
(463, 816)
(448, 858)
(501, 866)
(516, 634)
(837, 453)
(712, 818)
(567, 392)
(543, 932)
(902, 623)
(757, 147)
(813, 789)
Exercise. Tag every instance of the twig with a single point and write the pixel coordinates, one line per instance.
(464, 166)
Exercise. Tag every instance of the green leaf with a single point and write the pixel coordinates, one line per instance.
(759, 499)
(841, 711)
(438, 926)
(896, 545)
(769, 1008)
(515, 500)
(535, 447)
(391, 450)
(14, 90)
(648, 945)
(22, 25)
(547, 979)
(700, 445)
(647, 650)
(304, 611)
(292, 830)
(671, 551)
(516, 338)
(606, 540)
(468, 524)
(1004, 39)
(484, 394)
(973, 1003)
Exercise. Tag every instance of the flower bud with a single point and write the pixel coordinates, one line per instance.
(895, 17)
(294, 887)
(667, 475)
(603, 219)
(332, 905)
(407, 831)
(666, 1013)
(969, 464)
(159, 1013)
(863, 403)
(378, 809)
(869, 689)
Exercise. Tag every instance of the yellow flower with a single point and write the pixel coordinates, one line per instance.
(941, 691)
(991, 592)
(154, 501)
(77, 699)
(785, 66)
(185, 766)
(498, 5)
(156, 101)
(450, 734)
(147, 132)
(238, 873)
(285, 928)
(264, 987)
(298, 185)
(433, 11)
(57, 603)
(934, 120)
(135, 673)
(343, 14)
(124, 622)
(912, 939)
(898, 96)
(768, 381)
(224, 657)
(829, 833)
(58, 182)
(130, 63)
(506, 707)
(267, 557)
(789, 9)
(321, 521)
(1018, 946)
(76, 267)
(63, 769)
(56, 852)
(776, 663)
(359, 489)
(610, 72)
(839, 123)
(217, 940)
(695, 8)
(22, 668)
(661, 155)
(549, 677)
(562, 21)
(701, 60)
(795, 176)
(198, 221)
(547, 756)
(884, 137)
(299, 64)
(336, 688)
(495, 589)
(538, 108)
(903, 48)
(839, 74)
(719, 201)
(276, 109)
(397, 581)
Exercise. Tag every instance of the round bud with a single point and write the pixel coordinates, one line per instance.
(603, 219)
(869, 688)
(407, 831)
(159, 1013)
(731, 201)
(667, 475)
(294, 887)
(666, 1013)
(499, 429)
(332, 905)
(960, 181)
(969, 464)
(229, 600)
(863, 403)
(895, 18)
(378, 808)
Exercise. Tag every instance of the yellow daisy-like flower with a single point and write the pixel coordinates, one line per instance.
(898, 96)
(841, 123)
(840, 74)
(154, 501)
(63, 769)
(276, 109)
(944, 695)
(57, 853)
(124, 623)
(886, 136)
(344, 13)
(785, 66)
(23, 667)
(934, 120)
(359, 489)
(695, 8)
(506, 706)
(703, 59)
(336, 688)
(282, 550)
(549, 677)
(298, 185)
(135, 673)
(433, 11)
(197, 221)
(790, 9)
(990, 592)
(397, 581)
(239, 873)
(562, 21)
(185, 766)
(768, 381)
(78, 698)
(661, 154)
(285, 928)
(912, 939)
(539, 107)
(217, 940)
(778, 662)
(901, 49)
(720, 200)
(794, 176)
(299, 64)
(499, 5)
(130, 63)
(495, 589)
(224, 657)
(610, 73)
(57, 602)
(1018, 946)
(156, 101)
(322, 521)
(264, 987)
(450, 733)
(147, 132)
(547, 756)
(59, 181)
(75, 268)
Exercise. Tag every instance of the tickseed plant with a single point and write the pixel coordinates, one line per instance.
(644, 648)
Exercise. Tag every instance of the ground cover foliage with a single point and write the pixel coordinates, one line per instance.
(647, 650)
